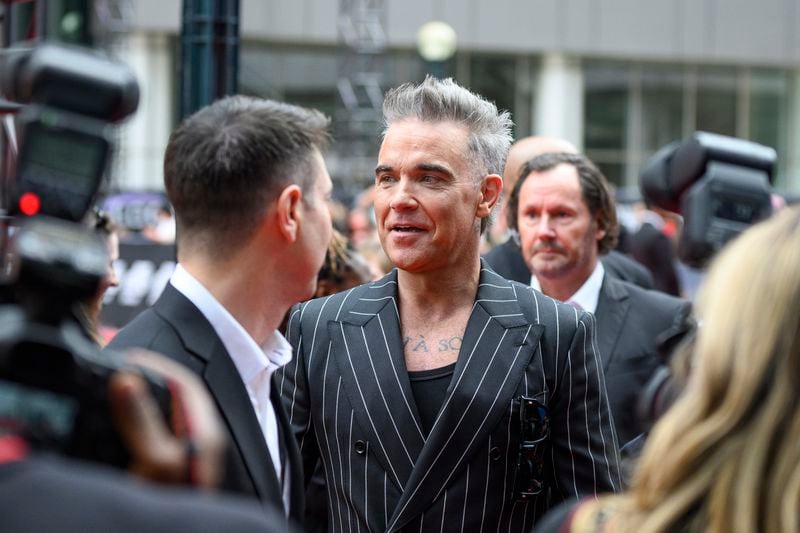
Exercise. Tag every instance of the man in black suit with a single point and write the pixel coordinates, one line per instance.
(506, 258)
(249, 188)
(565, 215)
(443, 397)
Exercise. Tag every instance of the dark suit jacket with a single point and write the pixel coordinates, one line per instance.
(174, 327)
(350, 402)
(506, 259)
(654, 250)
(630, 323)
(63, 496)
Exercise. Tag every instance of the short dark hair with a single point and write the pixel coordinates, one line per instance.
(595, 190)
(225, 162)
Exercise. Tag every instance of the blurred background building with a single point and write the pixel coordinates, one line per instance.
(619, 78)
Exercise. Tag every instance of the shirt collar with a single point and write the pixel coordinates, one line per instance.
(588, 294)
(249, 358)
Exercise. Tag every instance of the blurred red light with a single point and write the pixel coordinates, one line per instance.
(29, 204)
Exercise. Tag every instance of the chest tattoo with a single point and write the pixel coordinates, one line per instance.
(419, 344)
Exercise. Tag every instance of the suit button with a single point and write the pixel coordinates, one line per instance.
(494, 453)
(360, 447)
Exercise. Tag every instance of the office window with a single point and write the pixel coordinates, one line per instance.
(716, 100)
(608, 87)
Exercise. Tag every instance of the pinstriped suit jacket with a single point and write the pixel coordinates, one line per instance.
(349, 400)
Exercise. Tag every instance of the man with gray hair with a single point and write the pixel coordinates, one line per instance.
(442, 396)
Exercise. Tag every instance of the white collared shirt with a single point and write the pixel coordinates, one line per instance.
(588, 294)
(255, 363)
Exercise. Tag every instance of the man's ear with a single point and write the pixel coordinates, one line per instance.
(600, 230)
(491, 187)
(289, 213)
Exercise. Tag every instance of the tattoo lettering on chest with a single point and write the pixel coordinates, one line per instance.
(419, 344)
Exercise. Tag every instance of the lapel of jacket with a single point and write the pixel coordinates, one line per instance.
(227, 389)
(499, 342)
(612, 307)
(368, 349)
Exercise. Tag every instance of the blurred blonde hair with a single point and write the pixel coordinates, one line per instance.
(726, 457)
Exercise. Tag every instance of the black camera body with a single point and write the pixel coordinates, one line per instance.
(721, 186)
(73, 95)
(53, 377)
(54, 381)
(54, 389)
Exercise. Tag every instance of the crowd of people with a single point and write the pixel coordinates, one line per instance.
(471, 355)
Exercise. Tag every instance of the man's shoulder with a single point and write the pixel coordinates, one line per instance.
(332, 306)
(56, 494)
(142, 329)
(506, 259)
(156, 328)
(651, 302)
(628, 269)
(542, 309)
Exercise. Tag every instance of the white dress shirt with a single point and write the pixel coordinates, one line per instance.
(255, 363)
(588, 294)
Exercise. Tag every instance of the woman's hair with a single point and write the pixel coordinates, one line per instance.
(343, 268)
(726, 457)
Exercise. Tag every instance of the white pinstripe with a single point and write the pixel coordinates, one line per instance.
(566, 376)
(325, 431)
(486, 485)
(390, 282)
(466, 498)
(383, 397)
(582, 326)
(385, 502)
(397, 379)
(444, 512)
(466, 410)
(366, 485)
(505, 462)
(558, 348)
(283, 374)
(377, 299)
(600, 386)
(504, 287)
(366, 409)
(569, 433)
(339, 452)
(350, 476)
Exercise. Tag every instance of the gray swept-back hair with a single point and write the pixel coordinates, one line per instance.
(436, 100)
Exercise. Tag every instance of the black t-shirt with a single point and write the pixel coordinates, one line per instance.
(430, 388)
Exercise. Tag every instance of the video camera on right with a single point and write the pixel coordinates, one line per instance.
(720, 185)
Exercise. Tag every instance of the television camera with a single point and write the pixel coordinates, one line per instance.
(53, 378)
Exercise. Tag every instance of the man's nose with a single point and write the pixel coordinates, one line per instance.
(544, 228)
(404, 196)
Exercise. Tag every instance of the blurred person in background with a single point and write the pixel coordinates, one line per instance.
(162, 231)
(506, 258)
(564, 212)
(650, 246)
(343, 268)
(105, 227)
(725, 458)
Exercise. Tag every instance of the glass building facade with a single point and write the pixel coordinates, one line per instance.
(630, 108)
